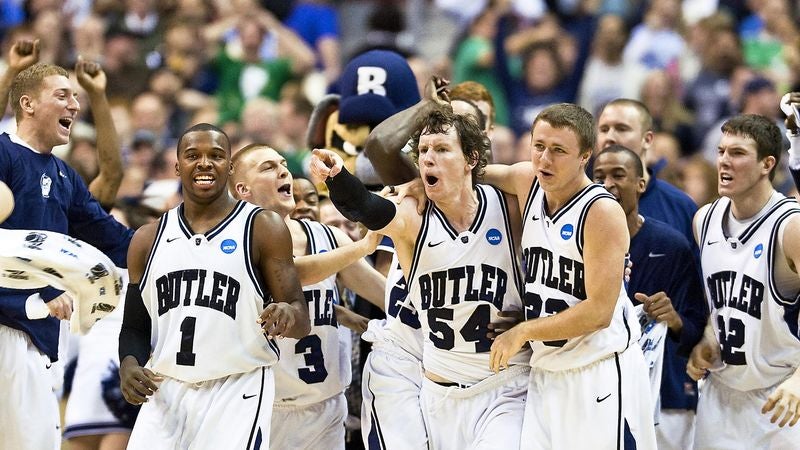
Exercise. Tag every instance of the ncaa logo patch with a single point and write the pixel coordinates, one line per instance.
(567, 231)
(228, 246)
(758, 251)
(494, 237)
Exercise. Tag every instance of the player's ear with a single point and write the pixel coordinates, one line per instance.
(26, 104)
(241, 190)
(768, 163)
(230, 169)
(177, 170)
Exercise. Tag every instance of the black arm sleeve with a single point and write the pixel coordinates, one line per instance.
(358, 204)
(134, 337)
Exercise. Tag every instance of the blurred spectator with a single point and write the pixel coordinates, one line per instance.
(248, 75)
(660, 95)
(699, 179)
(657, 43)
(82, 154)
(317, 23)
(482, 98)
(127, 73)
(707, 95)
(504, 146)
(549, 69)
(386, 30)
(295, 113)
(150, 113)
(764, 33)
(260, 118)
(606, 67)
(475, 61)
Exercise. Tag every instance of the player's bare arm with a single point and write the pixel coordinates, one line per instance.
(360, 277)
(105, 186)
(314, 268)
(287, 315)
(136, 382)
(385, 142)
(784, 401)
(515, 179)
(350, 319)
(605, 245)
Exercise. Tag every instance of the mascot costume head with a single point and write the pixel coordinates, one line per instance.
(374, 85)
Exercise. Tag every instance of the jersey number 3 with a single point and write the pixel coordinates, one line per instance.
(311, 349)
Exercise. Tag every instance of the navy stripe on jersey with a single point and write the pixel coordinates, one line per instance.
(706, 224)
(620, 417)
(331, 237)
(311, 244)
(255, 275)
(423, 231)
(187, 229)
(476, 222)
(255, 419)
(162, 224)
(750, 230)
(531, 195)
(771, 255)
(582, 218)
(93, 428)
(511, 245)
(575, 199)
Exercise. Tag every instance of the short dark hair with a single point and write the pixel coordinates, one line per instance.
(204, 127)
(474, 143)
(572, 117)
(644, 111)
(769, 141)
(630, 154)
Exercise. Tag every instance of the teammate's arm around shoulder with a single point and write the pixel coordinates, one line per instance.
(136, 382)
(287, 315)
(359, 276)
(515, 179)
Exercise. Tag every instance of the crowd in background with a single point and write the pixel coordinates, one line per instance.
(257, 68)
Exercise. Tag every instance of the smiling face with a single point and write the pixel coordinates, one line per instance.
(51, 111)
(262, 178)
(739, 169)
(617, 171)
(442, 166)
(203, 165)
(306, 200)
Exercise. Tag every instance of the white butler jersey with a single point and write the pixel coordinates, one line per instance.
(310, 369)
(754, 309)
(204, 297)
(459, 282)
(552, 260)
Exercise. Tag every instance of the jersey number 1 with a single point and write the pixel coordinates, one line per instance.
(185, 357)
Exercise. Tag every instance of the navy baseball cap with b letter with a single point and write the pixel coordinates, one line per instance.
(374, 86)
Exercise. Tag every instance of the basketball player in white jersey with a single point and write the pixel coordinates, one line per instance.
(586, 366)
(312, 373)
(750, 253)
(213, 285)
(459, 260)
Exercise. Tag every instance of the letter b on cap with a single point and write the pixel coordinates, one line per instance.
(371, 79)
